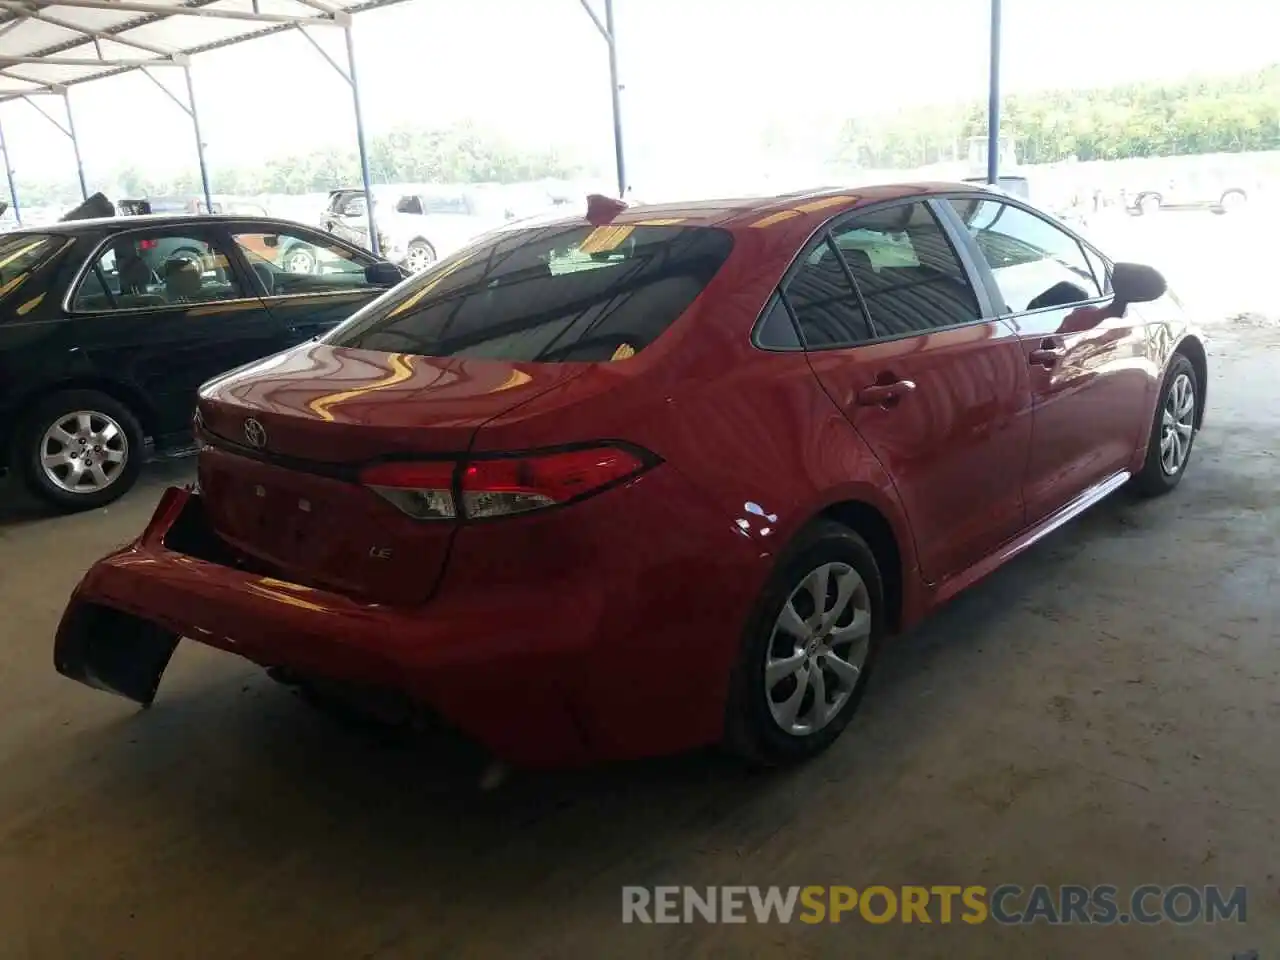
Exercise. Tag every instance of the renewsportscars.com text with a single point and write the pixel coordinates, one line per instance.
(1005, 904)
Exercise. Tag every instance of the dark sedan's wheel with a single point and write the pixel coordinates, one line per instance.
(79, 449)
(1173, 432)
(808, 651)
(419, 256)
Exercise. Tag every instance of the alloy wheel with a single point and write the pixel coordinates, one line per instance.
(300, 261)
(84, 452)
(418, 258)
(818, 649)
(1177, 424)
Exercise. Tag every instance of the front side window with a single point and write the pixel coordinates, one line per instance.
(551, 294)
(139, 271)
(288, 263)
(1035, 264)
(907, 271)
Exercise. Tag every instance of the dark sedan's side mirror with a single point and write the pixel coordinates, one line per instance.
(1137, 283)
(383, 274)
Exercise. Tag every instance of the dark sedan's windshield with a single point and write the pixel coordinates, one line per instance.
(567, 292)
(20, 253)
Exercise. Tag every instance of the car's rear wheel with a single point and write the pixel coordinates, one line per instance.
(419, 256)
(79, 449)
(1174, 431)
(808, 650)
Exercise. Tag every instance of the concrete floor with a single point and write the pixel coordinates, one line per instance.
(1104, 710)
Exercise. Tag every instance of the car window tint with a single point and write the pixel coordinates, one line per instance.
(22, 253)
(289, 264)
(146, 271)
(550, 294)
(826, 305)
(906, 270)
(409, 204)
(776, 330)
(1035, 263)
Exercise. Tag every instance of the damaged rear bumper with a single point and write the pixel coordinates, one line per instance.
(500, 668)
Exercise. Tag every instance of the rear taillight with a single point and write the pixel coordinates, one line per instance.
(502, 485)
(421, 488)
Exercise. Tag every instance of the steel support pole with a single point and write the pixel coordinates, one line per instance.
(615, 91)
(75, 145)
(8, 172)
(195, 124)
(993, 99)
(374, 245)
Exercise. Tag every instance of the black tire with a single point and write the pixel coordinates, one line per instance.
(751, 730)
(1155, 479)
(29, 448)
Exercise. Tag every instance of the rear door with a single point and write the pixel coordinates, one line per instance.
(307, 295)
(1088, 379)
(166, 309)
(904, 344)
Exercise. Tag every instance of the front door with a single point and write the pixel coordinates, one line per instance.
(168, 309)
(308, 282)
(1088, 376)
(936, 389)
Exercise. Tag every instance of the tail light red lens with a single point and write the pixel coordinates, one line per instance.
(502, 486)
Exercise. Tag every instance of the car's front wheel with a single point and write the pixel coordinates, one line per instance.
(79, 449)
(1174, 431)
(808, 651)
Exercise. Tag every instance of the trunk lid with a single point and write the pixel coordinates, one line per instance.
(287, 438)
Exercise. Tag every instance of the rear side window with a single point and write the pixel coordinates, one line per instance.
(553, 294)
(20, 254)
(825, 304)
(907, 271)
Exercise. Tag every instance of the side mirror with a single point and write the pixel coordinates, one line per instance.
(1137, 283)
(383, 274)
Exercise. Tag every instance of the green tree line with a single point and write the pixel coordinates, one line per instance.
(463, 153)
(1197, 115)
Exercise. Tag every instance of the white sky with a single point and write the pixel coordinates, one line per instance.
(702, 78)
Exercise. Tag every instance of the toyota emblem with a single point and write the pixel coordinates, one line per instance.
(255, 434)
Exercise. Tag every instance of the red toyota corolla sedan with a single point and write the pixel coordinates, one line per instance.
(657, 477)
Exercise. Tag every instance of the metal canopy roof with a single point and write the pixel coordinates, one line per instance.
(47, 46)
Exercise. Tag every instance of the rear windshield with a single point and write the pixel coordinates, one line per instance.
(20, 253)
(551, 294)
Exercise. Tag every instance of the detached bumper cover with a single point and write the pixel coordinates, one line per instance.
(499, 673)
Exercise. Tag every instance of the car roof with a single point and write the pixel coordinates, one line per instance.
(72, 227)
(800, 212)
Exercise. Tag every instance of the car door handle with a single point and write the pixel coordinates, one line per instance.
(882, 394)
(1048, 354)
